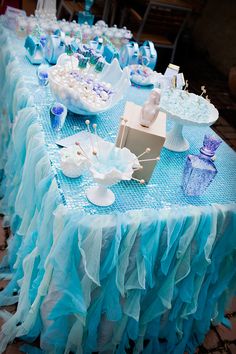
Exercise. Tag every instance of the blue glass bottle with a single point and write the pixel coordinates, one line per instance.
(200, 170)
(86, 16)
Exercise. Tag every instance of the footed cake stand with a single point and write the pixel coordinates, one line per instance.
(185, 108)
(109, 166)
(100, 195)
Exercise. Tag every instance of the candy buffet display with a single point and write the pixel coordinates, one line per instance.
(84, 82)
(185, 108)
(53, 36)
(200, 170)
(84, 89)
(88, 275)
(26, 25)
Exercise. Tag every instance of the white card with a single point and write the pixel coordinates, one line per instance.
(72, 139)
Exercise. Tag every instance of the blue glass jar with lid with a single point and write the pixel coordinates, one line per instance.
(200, 170)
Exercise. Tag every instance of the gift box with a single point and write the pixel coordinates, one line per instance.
(138, 138)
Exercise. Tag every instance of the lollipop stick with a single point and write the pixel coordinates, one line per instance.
(138, 168)
(154, 159)
(84, 153)
(141, 181)
(96, 135)
(80, 153)
(123, 123)
(145, 152)
(71, 61)
(87, 122)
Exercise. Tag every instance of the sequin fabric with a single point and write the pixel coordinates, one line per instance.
(164, 189)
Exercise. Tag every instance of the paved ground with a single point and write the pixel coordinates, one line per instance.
(218, 340)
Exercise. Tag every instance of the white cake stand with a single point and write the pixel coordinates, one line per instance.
(175, 140)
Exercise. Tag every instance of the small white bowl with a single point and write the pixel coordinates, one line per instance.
(72, 164)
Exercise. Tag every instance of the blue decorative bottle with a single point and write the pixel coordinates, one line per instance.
(200, 170)
(86, 16)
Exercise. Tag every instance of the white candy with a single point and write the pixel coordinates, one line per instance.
(104, 95)
(107, 85)
(90, 86)
(62, 94)
(74, 95)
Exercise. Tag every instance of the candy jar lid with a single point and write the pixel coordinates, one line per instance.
(109, 32)
(74, 25)
(210, 145)
(100, 23)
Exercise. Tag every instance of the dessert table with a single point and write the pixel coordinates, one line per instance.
(150, 272)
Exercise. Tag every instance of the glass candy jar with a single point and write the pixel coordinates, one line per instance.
(200, 170)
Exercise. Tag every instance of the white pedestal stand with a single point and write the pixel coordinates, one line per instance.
(101, 196)
(175, 141)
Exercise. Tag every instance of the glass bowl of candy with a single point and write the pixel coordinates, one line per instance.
(88, 85)
(142, 75)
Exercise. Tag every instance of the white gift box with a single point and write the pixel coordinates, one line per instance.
(137, 138)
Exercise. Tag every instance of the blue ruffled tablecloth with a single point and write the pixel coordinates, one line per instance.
(151, 271)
